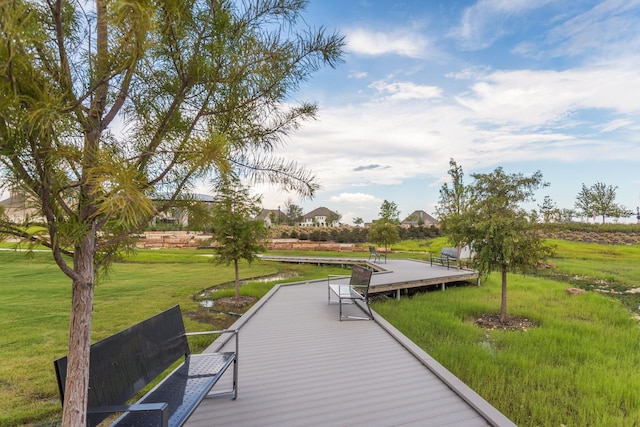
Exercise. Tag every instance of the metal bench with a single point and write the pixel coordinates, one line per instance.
(356, 290)
(124, 363)
(373, 253)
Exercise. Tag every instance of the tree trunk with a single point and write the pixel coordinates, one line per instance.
(77, 383)
(235, 264)
(503, 302)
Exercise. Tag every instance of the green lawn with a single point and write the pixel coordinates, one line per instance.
(577, 367)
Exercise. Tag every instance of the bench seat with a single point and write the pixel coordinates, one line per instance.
(182, 390)
(356, 290)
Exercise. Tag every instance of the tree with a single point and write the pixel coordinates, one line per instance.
(358, 221)
(384, 233)
(104, 113)
(389, 212)
(333, 218)
(600, 200)
(502, 234)
(549, 210)
(385, 230)
(293, 212)
(452, 207)
(237, 235)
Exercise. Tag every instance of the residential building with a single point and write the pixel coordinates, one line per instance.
(19, 209)
(419, 218)
(320, 217)
(272, 217)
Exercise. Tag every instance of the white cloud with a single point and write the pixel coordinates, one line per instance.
(358, 74)
(404, 91)
(354, 198)
(399, 42)
(541, 98)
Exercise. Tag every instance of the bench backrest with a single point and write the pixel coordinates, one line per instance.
(372, 250)
(122, 364)
(360, 279)
(449, 253)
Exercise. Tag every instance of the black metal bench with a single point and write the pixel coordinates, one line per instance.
(443, 260)
(356, 290)
(124, 363)
(373, 253)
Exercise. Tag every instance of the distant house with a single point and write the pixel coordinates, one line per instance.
(19, 208)
(271, 217)
(177, 215)
(419, 218)
(320, 217)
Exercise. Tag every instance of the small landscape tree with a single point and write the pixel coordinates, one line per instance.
(237, 234)
(385, 231)
(503, 236)
(452, 207)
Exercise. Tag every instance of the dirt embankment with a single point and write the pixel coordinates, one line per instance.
(606, 238)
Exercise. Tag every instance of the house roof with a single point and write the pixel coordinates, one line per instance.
(321, 211)
(299, 365)
(15, 200)
(266, 213)
(416, 216)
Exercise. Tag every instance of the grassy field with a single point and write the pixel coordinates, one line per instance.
(576, 367)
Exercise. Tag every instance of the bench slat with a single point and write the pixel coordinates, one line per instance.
(183, 389)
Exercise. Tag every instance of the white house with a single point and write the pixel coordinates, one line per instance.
(320, 217)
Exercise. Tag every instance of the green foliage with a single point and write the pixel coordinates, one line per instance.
(389, 212)
(599, 200)
(237, 235)
(487, 216)
(453, 205)
(384, 233)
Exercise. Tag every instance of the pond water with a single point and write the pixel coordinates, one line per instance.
(204, 297)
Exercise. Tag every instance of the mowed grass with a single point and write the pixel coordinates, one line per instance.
(35, 303)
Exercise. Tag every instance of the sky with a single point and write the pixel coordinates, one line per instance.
(526, 85)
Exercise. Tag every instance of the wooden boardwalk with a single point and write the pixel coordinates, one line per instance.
(395, 275)
(299, 365)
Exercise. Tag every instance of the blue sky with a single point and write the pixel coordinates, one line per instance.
(528, 85)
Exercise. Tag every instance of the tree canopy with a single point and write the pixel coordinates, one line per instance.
(112, 112)
(385, 230)
(237, 234)
(600, 200)
(501, 234)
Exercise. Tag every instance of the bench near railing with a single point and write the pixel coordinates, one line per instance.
(356, 290)
(124, 363)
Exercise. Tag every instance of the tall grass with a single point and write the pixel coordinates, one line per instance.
(577, 367)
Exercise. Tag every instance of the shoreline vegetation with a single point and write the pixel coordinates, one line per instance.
(576, 366)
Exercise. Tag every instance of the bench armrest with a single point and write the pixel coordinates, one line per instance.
(163, 408)
(223, 331)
